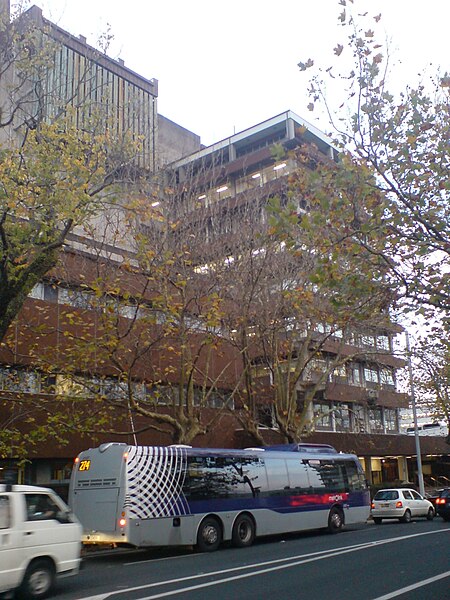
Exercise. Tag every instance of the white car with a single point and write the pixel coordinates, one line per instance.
(403, 504)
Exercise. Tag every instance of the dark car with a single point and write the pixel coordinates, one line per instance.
(440, 499)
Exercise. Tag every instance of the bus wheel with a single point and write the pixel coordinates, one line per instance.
(209, 535)
(243, 531)
(335, 520)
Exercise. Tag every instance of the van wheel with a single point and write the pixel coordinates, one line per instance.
(406, 517)
(243, 531)
(335, 520)
(209, 535)
(38, 581)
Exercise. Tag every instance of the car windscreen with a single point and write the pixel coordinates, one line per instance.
(386, 495)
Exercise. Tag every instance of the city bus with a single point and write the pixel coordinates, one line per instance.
(178, 495)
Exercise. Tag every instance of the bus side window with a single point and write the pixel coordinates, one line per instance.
(355, 481)
(326, 476)
(298, 476)
(277, 476)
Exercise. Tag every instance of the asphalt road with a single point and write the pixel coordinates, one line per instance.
(392, 560)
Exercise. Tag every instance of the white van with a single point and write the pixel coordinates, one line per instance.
(39, 539)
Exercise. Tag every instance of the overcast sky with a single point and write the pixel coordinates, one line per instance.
(225, 66)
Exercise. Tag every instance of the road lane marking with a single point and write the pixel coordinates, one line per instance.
(414, 586)
(299, 559)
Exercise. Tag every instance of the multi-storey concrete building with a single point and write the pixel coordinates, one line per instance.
(73, 75)
(356, 408)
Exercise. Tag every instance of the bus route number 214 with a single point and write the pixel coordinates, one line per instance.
(84, 465)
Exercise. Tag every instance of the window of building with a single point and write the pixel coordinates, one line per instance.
(358, 418)
(375, 420)
(355, 374)
(383, 342)
(387, 376)
(368, 340)
(265, 416)
(341, 417)
(322, 415)
(371, 374)
(18, 380)
(391, 420)
(339, 372)
(44, 291)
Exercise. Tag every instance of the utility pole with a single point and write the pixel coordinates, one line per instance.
(416, 429)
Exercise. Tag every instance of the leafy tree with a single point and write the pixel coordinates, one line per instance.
(432, 376)
(54, 169)
(289, 294)
(140, 343)
(399, 144)
(49, 185)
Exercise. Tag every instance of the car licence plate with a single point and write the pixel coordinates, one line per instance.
(386, 505)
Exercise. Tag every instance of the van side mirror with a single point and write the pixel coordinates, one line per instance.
(63, 516)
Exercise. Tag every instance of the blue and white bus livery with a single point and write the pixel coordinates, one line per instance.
(167, 496)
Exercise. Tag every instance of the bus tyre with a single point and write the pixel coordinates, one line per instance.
(335, 520)
(243, 531)
(406, 517)
(38, 581)
(209, 535)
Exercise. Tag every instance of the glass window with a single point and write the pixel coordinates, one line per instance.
(391, 419)
(40, 507)
(223, 477)
(276, 475)
(14, 380)
(358, 418)
(37, 292)
(375, 420)
(386, 495)
(322, 415)
(355, 374)
(368, 340)
(355, 478)
(339, 371)
(326, 476)
(298, 475)
(371, 374)
(407, 495)
(383, 342)
(386, 376)
(342, 417)
(5, 512)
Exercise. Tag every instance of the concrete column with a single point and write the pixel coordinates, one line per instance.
(290, 129)
(402, 468)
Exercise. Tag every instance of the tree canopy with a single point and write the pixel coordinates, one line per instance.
(400, 140)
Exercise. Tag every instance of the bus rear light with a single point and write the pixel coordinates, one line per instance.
(122, 522)
(77, 460)
(399, 504)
